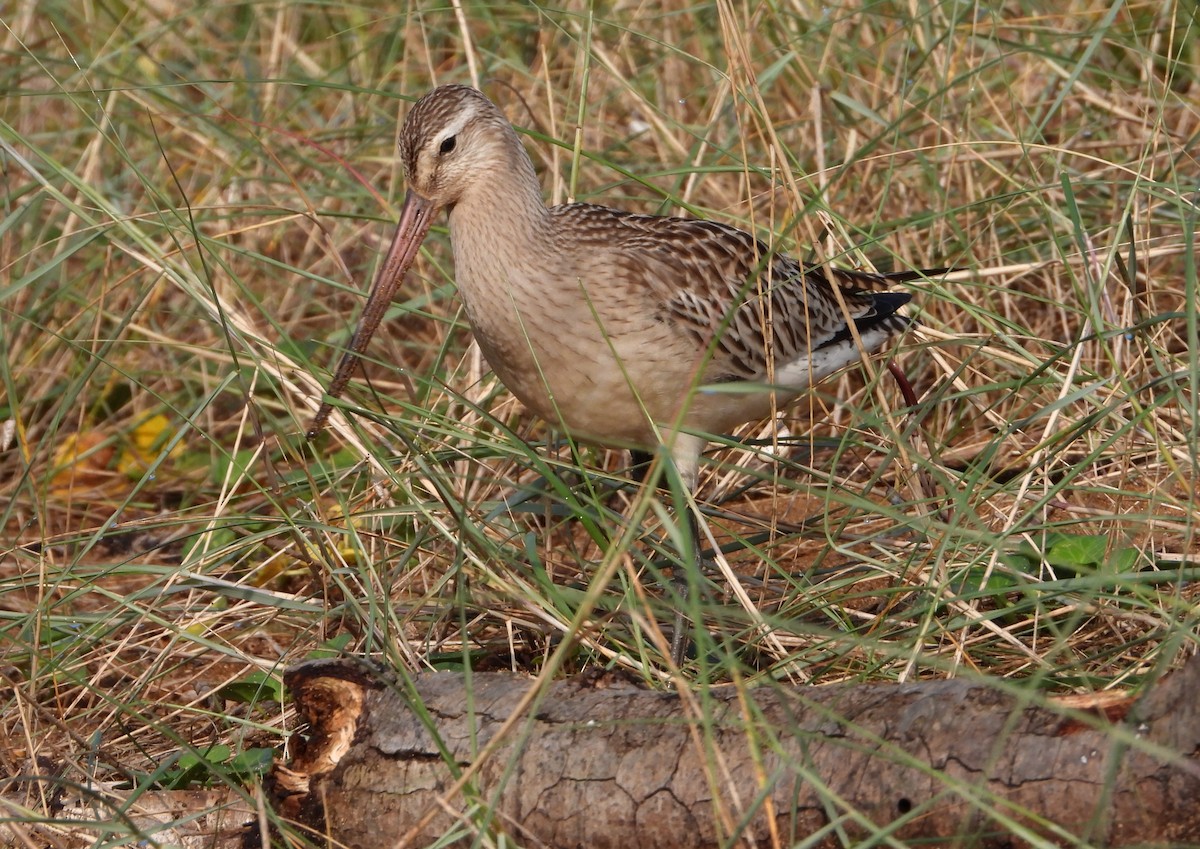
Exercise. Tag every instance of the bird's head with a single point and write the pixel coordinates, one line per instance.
(451, 136)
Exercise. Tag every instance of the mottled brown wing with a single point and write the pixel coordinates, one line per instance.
(756, 310)
(723, 288)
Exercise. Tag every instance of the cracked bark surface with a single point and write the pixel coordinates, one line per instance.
(600, 762)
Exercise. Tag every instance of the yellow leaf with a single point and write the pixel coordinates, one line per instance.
(145, 442)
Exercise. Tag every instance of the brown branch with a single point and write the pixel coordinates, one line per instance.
(603, 763)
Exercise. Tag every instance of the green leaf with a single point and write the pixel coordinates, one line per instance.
(1125, 559)
(333, 647)
(1076, 551)
(252, 762)
(256, 687)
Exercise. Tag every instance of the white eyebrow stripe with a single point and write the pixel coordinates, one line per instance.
(460, 121)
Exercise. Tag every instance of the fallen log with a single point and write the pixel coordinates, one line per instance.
(599, 762)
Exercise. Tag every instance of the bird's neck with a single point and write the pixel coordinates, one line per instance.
(504, 204)
(503, 251)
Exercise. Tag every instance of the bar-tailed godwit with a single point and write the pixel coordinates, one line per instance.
(610, 324)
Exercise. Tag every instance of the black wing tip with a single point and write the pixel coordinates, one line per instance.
(909, 275)
(885, 304)
(871, 280)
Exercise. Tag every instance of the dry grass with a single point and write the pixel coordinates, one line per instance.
(194, 200)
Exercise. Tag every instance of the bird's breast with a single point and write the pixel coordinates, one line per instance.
(578, 355)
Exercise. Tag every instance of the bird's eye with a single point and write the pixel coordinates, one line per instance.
(448, 144)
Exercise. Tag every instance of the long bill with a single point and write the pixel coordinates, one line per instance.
(416, 216)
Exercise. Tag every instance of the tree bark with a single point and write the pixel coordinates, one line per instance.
(601, 763)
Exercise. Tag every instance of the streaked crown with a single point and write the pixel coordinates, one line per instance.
(451, 136)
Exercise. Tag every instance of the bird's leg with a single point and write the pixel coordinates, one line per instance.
(681, 636)
(685, 453)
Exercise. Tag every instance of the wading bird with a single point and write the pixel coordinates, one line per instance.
(610, 324)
